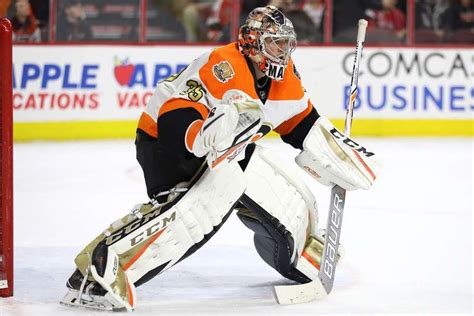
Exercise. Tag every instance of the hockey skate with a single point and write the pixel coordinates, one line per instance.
(87, 294)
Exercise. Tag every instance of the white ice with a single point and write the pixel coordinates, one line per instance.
(408, 241)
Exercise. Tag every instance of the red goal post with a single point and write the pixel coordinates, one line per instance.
(6, 160)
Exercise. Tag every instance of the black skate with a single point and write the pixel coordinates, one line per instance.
(88, 294)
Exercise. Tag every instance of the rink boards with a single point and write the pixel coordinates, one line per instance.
(94, 91)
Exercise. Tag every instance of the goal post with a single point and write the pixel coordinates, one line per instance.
(6, 160)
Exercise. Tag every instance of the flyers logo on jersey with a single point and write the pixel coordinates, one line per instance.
(223, 71)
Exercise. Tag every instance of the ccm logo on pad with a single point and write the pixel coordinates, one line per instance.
(350, 143)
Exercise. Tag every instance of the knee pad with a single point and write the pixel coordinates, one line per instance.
(282, 212)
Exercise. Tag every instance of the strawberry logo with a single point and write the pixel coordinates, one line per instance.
(123, 71)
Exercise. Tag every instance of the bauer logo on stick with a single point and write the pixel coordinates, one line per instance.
(333, 236)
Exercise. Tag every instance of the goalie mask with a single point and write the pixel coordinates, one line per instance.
(268, 38)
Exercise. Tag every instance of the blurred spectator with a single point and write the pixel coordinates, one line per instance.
(41, 11)
(306, 18)
(4, 4)
(24, 23)
(387, 25)
(72, 25)
(190, 15)
(315, 10)
(346, 14)
(428, 15)
(219, 21)
(247, 6)
(457, 21)
(306, 30)
(194, 16)
(162, 24)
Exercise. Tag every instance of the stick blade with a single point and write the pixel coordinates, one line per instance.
(299, 293)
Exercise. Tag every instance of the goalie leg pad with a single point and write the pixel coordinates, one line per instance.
(154, 237)
(284, 213)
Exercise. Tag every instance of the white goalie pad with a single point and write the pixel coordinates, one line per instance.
(331, 158)
(154, 237)
(277, 188)
(166, 238)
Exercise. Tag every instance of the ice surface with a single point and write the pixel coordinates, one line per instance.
(408, 241)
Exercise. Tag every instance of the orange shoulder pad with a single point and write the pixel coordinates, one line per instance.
(225, 70)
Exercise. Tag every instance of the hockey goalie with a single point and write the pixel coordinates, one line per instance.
(197, 143)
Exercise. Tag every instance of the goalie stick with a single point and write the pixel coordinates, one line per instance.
(322, 286)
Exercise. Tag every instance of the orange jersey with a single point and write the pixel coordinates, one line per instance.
(203, 83)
